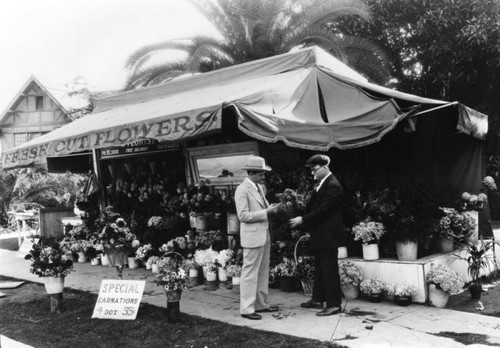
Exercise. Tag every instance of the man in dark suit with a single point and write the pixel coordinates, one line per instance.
(323, 220)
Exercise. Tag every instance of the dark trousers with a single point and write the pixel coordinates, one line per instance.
(326, 277)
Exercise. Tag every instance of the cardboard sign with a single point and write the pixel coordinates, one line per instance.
(119, 299)
(26, 246)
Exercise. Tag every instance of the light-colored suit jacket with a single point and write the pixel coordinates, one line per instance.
(252, 213)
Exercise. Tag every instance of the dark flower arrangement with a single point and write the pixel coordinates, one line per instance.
(49, 261)
(116, 233)
(305, 268)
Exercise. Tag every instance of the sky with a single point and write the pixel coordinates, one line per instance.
(58, 40)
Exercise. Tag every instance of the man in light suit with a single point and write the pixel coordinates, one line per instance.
(253, 211)
(323, 220)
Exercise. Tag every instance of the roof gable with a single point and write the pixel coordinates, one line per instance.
(31, 85)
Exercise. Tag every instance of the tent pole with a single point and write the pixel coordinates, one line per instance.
(98, 174)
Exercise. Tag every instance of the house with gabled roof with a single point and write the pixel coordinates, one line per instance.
(36, 110)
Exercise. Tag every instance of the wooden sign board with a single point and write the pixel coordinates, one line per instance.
(25, 248)
(119, 299)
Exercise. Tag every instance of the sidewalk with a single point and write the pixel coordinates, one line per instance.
(363, 324)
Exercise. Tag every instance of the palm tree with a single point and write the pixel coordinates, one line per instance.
(257, 29)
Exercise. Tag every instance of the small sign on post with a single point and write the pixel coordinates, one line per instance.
(119, 299)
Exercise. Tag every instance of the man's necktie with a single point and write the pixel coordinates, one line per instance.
(262, 196)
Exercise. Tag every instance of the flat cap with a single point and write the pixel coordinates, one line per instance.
(322, 160)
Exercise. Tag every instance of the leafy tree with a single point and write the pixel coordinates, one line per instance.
(257, 29)
(445, 49)
(32, 188)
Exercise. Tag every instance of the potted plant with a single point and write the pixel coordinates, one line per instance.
(405, 233)
(373, 289)
(153, 261)
(92, 254)
(478, 259)
(470, 204)
(51, 263)
(350, 278)
(403, 293)
(143, 253)
(451, 227)
(369, 233)
(234, 265)
(305, 269)
(174, 280)
(221, 262)
(287, 272)
(443, 282)
(234, 271)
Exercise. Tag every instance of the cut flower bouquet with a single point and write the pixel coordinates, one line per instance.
(372, 286)
(369, 232)
(445, 279)
(171, 275)
(401, 290)
(454, 224)
(350, 273)
(49, 261)
(286, 268)
(116, 233)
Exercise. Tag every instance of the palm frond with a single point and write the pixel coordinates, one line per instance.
(140, 56)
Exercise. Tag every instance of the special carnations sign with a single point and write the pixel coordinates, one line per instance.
(119, 299)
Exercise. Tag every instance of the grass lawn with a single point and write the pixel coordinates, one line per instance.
(25, 316)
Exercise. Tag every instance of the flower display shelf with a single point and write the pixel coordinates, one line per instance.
(393, 271)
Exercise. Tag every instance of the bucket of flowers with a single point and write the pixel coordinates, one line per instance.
(117, 240)
(443, 282)
(403, 293)
(287, 272)
(51, 263)
(233, 268)
(453, 226)
(305, 268)
(373, 289)
(191, 268)
(221, 261)
(350, 278)
(143, 253)
(369, 233)
(174, 280)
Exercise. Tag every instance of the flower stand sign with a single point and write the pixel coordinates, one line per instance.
(119, 299)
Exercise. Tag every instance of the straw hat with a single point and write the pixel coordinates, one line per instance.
(256, 163)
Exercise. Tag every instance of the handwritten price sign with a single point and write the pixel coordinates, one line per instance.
(119, 299)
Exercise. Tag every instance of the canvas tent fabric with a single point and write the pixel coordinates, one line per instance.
(307, 99)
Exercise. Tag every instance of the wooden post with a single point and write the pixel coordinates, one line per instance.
(173, 311)
(56, 302)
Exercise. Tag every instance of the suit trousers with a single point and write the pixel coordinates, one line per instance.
(254, 280)
(326, 277)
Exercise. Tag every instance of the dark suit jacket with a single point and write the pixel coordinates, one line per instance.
(323, 218)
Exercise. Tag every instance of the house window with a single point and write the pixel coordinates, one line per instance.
(21, 138)
(39, 103)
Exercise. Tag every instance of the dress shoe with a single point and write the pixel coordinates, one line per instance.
(329, 311)
(312, 304)
(269, 309)
(252, 316)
